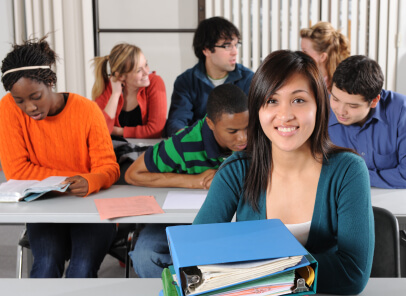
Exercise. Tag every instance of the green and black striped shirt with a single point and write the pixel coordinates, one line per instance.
(191, 151)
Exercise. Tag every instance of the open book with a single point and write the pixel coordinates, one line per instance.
(28, 190)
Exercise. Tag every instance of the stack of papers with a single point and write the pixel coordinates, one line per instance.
(278, 284)
(220, 275)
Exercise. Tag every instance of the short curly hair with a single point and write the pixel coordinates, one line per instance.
(33, 52)
(226, 99)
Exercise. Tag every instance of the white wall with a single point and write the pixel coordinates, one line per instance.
(401, 65)
(69, 26)
(79, 76)
(6, 32)
(168, 53)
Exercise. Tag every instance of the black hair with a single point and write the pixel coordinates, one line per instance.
(226, 99)
(32, 52)
(274, 72)
(210, 31)
(359, 75)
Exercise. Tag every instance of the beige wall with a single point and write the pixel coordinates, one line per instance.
(6, 32)
(168, 53)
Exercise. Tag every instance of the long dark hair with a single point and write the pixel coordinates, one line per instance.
(272, 74)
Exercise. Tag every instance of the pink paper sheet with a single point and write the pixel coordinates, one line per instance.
(127, 206)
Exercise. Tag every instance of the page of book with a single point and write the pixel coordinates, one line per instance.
(48, 184)
(15, 187)
(279, 284)
(17, 190)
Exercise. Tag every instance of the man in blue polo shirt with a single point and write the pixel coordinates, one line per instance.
(370, 120)
(215, 44)
(189, 159)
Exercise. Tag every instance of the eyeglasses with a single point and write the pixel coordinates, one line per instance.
(229, 46)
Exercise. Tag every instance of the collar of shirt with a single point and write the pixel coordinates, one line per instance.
(211, 146)
(232, 76)
(379, 112)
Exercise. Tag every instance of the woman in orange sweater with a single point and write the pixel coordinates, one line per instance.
(42, 134)
(132, 99)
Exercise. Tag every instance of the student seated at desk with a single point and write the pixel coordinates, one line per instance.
(291, 171)
(327, 46)
(189, 159)
(43, 134)
(215, 44)
(132, 99)
(370, 120)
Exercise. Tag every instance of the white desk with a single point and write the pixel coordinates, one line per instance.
(146, 287)
(394, 200)
(144, 142)
(80, 287)
(72, 209)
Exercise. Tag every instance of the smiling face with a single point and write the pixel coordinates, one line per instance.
(139, 76)
(289, 115)
(221, 61)
(34, 98)
(350, 109)
(230, 130)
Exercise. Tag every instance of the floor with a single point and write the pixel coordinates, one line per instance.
(9, 236)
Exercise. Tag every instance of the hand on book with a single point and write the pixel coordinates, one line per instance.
(78, 185)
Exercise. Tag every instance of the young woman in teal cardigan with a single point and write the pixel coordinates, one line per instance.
(291, 171)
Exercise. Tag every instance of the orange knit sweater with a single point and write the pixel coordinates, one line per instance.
(74, 142)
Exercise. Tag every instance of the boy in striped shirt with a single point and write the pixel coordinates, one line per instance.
(189, 159)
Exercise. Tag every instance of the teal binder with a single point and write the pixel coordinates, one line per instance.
(195, 245)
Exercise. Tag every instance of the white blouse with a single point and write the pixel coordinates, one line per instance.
(300, 231)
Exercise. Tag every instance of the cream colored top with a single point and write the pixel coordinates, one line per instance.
(217, 82)
(300, 231)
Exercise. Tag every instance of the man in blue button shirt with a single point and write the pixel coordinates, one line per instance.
(370, 120)
(215, 44)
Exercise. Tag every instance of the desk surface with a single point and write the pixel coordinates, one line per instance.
(146, 287)
(144, 142)
(394, 200)
(72, 209)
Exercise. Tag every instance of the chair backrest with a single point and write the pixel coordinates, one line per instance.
(386, 261)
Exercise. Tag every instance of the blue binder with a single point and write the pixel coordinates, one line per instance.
(192, 245)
